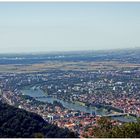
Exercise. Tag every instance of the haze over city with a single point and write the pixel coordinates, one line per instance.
(45, 27)
(69, 70)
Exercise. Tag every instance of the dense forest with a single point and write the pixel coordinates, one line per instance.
(18, 123)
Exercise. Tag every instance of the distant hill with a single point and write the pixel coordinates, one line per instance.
(130, 55)
(18, 123)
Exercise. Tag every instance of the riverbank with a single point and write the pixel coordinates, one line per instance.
(100, 110)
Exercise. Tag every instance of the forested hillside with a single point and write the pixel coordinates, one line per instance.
(18, 123)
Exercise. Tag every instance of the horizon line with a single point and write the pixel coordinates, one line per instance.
(70, 51)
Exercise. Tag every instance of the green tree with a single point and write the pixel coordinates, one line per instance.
(39, 135)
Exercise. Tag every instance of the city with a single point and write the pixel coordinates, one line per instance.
(76, 99)
(69, 69)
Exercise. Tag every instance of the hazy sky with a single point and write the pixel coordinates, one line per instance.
(38, 27)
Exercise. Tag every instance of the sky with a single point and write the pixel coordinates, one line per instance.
(68, 26)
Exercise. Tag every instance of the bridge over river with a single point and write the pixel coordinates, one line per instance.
(116, 115)
(41, 96)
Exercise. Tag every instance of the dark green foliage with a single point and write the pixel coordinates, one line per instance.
(38, 135)
(18, 123)
(127, 130)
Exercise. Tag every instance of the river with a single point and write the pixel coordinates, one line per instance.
(41, 96)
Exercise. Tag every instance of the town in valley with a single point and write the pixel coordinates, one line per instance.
(74, 89)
